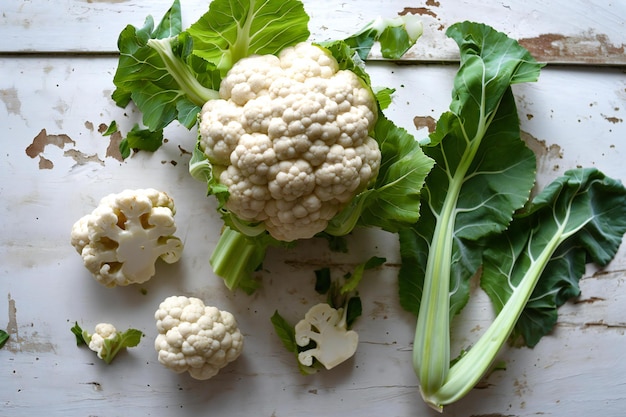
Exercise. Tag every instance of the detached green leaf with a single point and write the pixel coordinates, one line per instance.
(354, 310)
(395, 35)
(483, 173)
(534, 267)
(322, 280)
(287, 335)
(141, 139)
(579, 218)
(483, 170)
(232, 30)
(111, 129)
(354, 279)
(4, 336)
(285, 332)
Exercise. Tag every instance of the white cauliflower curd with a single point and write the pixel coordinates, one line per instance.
(121, 240)
(196, 338)
(290, 138)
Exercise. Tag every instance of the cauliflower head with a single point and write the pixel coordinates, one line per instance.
(121, 240)
(290, 139)
(196, 338)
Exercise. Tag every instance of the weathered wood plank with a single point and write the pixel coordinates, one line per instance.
(56, 165)
(564, 32)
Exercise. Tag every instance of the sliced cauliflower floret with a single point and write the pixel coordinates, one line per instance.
(196, 338)
(290, 138)
(121, 240)
(325, 326)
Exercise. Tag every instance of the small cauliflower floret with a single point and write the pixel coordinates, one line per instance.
(107, 341)
(326, 327)
(196, 338)
(103, 331)
(121, 240)
(290, 139)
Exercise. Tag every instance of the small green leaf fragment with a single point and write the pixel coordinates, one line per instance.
(111, 129)
(285, 331)
(322, 280)
(79, 333)
(130, 338)
(354, 279)
(4, 336)
(383, 96)
(354, 309)
(287, 335)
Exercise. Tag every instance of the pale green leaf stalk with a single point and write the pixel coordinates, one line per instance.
(580, 216)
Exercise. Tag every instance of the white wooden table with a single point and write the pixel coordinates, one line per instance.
(57, 61)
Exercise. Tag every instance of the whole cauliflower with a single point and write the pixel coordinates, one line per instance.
(121, 240)
(196, 338)
(290, 139)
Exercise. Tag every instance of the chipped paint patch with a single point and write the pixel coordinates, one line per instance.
(11, 101)
(113, 150)
(23, 343)
(587, 47)
(542, 150)
(427, 122)
(421, 11)
(41, 141)
(612, 119)
(12, 324)
(81, 158)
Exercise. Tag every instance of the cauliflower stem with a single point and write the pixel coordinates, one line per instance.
(235, 257)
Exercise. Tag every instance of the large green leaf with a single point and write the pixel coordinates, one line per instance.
(234, 29)
(483, 173)
(580, 217)
(155, 70)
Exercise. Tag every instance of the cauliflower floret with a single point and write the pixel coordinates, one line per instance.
(290, 139)
(106, 341)
(121, 240)
(196, 338)
(103, 331)
(325, 326)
